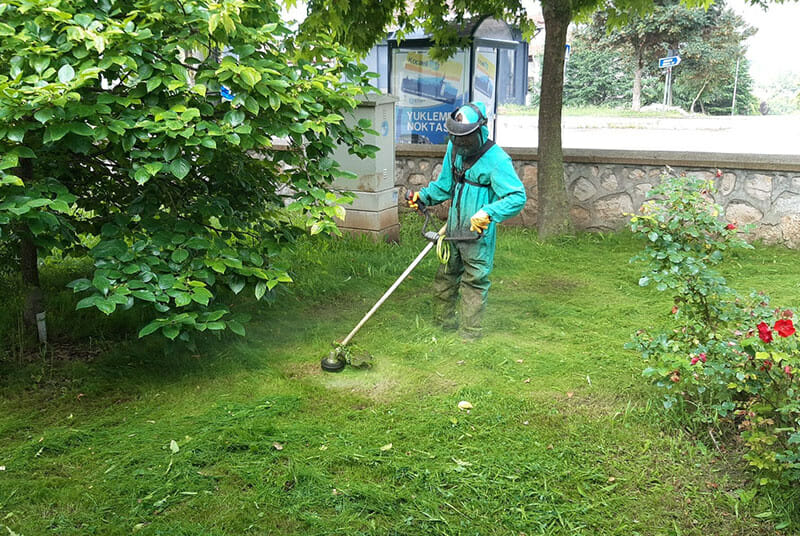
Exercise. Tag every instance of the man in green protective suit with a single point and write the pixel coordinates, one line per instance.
(478, 177)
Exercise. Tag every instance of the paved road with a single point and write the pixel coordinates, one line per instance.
(757, 134)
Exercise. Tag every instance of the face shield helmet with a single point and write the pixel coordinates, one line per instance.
(464, 126)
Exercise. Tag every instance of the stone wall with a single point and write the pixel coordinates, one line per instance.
(605, 185)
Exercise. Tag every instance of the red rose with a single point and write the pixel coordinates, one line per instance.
(694, 360)
(674, 309)
(784, 327)
(731, 227)
(702, 357)
(788, 370)
(719, 173)
(764, 333)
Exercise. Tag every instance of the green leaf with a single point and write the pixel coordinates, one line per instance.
(45, 115)
(236, 118)
(171, 332)
(106, 306)
(180, 168)
(236, 327)
(179, 255)
(261, 289)
(145, 295)
(182, 299)
(16, 134)
(88, 302)
(79, 285)
(150, 328)
(171, 151)
(201, 296)
(55, 132)
(66, 73)
(236, 285)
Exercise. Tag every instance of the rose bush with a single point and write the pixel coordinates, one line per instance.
(733, 360)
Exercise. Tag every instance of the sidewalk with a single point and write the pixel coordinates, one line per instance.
(739, 134)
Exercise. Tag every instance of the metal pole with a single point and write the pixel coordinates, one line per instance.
(666, 85)
(669, 95)
(735, 83)
(391, 289)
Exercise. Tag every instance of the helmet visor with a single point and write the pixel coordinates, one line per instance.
(456, 127)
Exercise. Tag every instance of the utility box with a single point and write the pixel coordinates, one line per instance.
(374, 211)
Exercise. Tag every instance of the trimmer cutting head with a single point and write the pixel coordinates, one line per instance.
(335, 361)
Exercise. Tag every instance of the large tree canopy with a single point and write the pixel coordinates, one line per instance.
(143, 130)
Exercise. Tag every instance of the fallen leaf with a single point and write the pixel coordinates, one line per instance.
(173, 446)
(570, 394)
(611, 479)
(324, 447)
(520, 361)
(526, 380)
(460, 362)
(550, 447)
(2, 467)
(464, 405)
(525, 423)
(277, 446)
(386, 447)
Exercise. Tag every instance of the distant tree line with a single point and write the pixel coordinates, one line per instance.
(619, 67)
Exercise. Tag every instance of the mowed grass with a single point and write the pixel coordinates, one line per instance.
(564, 436)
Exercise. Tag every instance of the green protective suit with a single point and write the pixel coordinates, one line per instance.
(491, 184)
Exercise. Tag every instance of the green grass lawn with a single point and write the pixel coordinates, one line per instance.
(247, 435)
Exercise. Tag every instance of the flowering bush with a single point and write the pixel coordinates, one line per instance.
(733, 359)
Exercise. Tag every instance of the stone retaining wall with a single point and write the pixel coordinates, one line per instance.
(605, 185)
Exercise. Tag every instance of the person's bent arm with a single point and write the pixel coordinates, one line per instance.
(509, 190)
(439, 191)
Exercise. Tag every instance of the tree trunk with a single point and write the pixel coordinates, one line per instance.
(637, 80)
(553, 216)
(29, 264)
(691, 108)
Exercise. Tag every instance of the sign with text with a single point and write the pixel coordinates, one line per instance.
(428, 90)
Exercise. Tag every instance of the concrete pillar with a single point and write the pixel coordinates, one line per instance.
(374, 211)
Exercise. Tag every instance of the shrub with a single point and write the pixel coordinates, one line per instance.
(733, 359)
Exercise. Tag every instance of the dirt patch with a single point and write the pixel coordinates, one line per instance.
(557, 285)
(302, 370)
(63, 350)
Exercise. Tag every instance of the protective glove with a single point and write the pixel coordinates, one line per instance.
(479, 222)
(412, 198)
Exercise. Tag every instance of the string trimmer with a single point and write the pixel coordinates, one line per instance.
(336, 360)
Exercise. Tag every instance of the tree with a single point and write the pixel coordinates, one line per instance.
(707, 72)
(116, 138)
(596, 75)
(650, 34)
